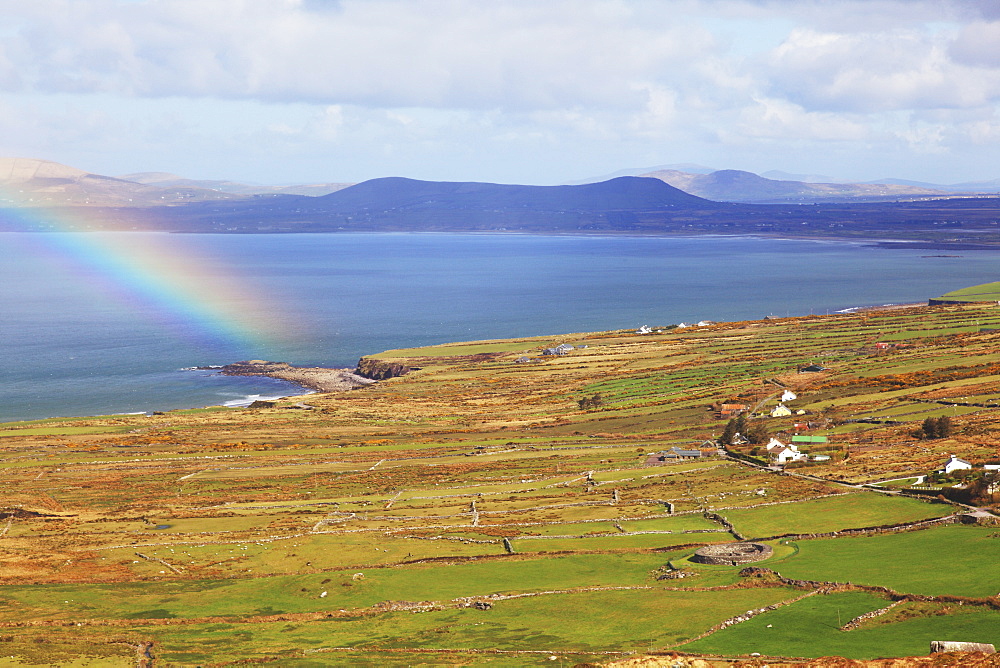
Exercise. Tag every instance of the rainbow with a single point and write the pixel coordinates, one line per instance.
(191, 296)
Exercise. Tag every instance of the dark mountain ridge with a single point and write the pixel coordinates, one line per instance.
(401, 204)
(625, 205)
(622, 193)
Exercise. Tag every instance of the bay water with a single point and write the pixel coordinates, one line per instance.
(74, 342)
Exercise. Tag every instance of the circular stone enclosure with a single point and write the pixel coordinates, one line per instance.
(732, 554)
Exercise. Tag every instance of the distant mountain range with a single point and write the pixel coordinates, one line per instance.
(397, 194)
(31, 182)
(775, 187)
(399, 204)
(661, 202)
(731, 185)
(166, 180)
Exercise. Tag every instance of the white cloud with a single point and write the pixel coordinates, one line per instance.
(866, 72)
(490, 90)
(776, 119)
(378, 53)
(984, 132)
(978, 44)
(508, 54)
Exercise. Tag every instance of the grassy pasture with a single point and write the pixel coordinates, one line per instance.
(528, 346)
(618, 542)
(919, 411)
(867, 397)
(63, 431)
(977, 293)
(674, 523)
(810, 628)
(898, 483)
(298, 593)
(556, 624)
(953, 559)
(855, 510)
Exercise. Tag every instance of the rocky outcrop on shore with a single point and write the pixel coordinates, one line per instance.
(321, 379)
(379, 370)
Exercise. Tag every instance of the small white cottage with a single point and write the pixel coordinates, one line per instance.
(955, 464)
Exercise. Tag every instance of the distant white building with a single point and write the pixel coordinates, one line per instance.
(788, 395)
(780, 453)
(645, 329)
(955, 464)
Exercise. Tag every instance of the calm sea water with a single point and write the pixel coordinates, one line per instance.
(73, 345)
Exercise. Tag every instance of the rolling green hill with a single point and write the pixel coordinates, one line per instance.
(987, 292)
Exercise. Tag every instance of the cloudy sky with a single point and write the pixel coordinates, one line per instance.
(515, 91)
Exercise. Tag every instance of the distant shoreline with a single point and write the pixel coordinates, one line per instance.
(881, 307)
(329, 379)
(877, 241)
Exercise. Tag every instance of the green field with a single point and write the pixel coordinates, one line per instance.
(301, 593)
(832, 514)
(628, 621)
(811, 628)
(617, 542)
(954, 559)
(987, 292)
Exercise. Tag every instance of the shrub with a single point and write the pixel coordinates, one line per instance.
(940, 427)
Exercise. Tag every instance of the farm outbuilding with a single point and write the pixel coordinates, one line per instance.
(672, 455)
(808, 439)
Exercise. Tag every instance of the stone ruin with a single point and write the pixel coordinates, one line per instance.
(732, 554)
(946, 646)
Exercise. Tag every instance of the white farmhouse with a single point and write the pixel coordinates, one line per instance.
(782, 454)
(788, 395)
(955, 464)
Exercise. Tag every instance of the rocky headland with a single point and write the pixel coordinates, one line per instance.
(380, 370)
(321, 379)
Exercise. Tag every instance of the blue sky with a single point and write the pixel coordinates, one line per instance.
(514, 91)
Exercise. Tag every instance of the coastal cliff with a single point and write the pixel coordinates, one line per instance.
(321, 379)
(379, 370)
